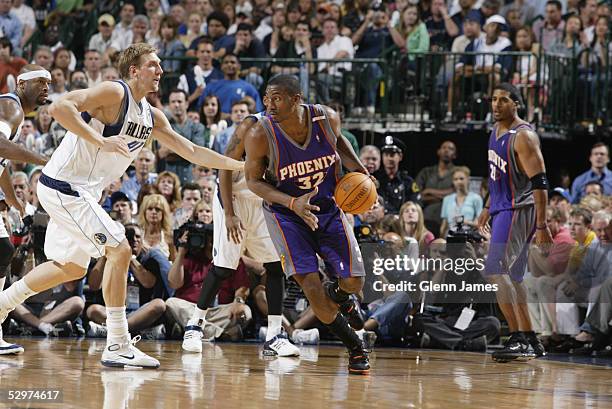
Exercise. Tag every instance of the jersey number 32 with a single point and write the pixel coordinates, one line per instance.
(310, 182)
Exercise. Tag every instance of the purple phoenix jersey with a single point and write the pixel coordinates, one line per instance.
(296, 170)
(511, 208)
(509, 188)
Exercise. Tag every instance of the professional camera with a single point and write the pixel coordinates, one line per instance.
(198, 236)
(36, 227)
(462, 234)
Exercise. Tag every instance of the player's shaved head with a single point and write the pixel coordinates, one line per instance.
(289, 84)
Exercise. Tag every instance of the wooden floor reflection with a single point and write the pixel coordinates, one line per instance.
(235, 376)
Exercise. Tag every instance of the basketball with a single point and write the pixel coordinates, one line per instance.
(355, 193)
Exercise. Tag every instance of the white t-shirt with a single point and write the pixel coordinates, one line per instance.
(329, 51)
(25, 14)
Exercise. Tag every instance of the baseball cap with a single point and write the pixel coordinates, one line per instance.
(496, 18)
(107, 19)
(474, 15)
(118, 197)
(559, 191)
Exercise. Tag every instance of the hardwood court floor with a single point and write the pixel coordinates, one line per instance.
(235, 376)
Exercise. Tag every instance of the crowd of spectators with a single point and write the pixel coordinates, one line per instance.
(161, 193)
(207, 31)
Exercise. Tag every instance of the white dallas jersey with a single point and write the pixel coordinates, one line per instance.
(13, 138)
(84, 166)
(239, 184)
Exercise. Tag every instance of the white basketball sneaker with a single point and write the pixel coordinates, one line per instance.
(280, 346)
(309, 337)
(126, 355)
(5, 347)
(192, 340)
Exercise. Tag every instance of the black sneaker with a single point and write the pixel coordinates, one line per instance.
(536, 344)
(359, 363)
(515, 348)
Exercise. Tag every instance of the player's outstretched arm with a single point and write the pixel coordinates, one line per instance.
(97, 101)
(163, 132)
(531, 161)
(349, 158)
(11, 116)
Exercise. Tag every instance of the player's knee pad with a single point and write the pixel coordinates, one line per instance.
(222, 273)
(6, 255)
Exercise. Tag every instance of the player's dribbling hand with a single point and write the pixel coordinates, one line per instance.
(116, 144)
(234, 227)
(303, 208)
(372, 178)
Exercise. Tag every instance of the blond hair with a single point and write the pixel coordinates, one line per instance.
(131, 56)
(420, 231)
(151, 201)
(201, 205)
(463, 169)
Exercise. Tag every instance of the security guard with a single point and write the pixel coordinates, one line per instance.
(395, 185)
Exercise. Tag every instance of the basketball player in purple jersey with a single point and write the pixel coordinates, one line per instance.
(293, 163)
(518, 194)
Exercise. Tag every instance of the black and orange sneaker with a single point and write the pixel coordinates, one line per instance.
(353, 313)
(359, 363)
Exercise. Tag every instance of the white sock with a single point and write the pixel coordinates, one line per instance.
(45, 327)
(198, 317)
(274, 326)
(117, 325)
(15, 295)
(360, 333)
(2, 281)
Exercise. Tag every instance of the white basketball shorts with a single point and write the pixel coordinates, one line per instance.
(79, 228)
(256, 240)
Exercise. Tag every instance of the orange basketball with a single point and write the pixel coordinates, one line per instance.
(355, 193)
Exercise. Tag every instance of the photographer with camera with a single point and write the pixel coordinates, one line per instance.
(454, 320)
(191, 271)
(146, 289)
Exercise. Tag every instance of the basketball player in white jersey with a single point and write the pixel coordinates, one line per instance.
(239, 226)
(32, 91)
(107, 127)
